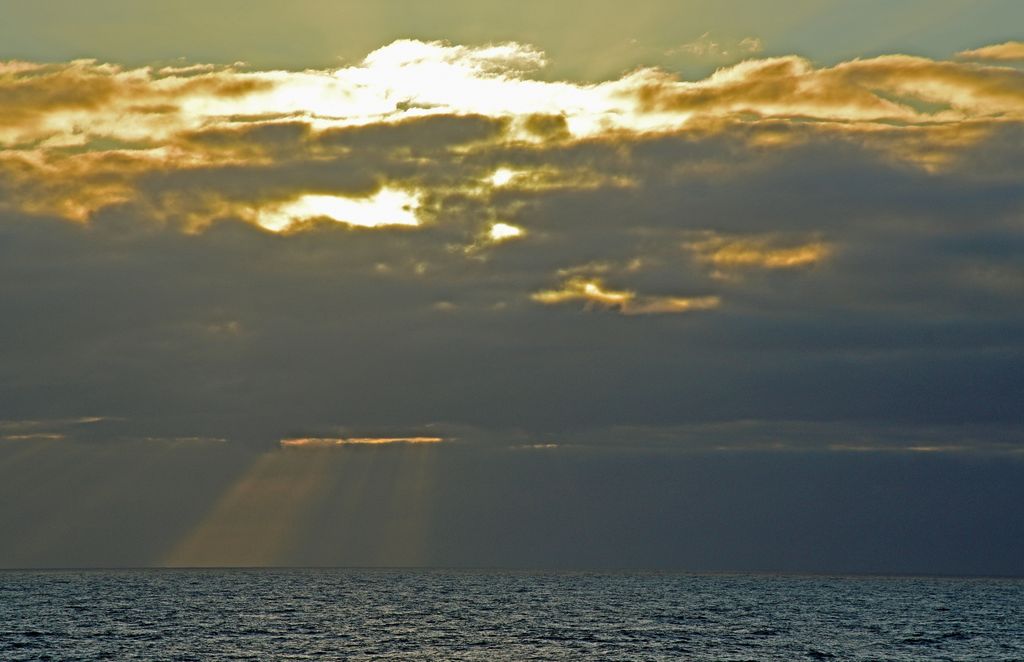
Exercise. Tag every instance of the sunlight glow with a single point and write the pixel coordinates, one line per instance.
(502, 176)
(259, 517)
(502, 231)
(386, 207)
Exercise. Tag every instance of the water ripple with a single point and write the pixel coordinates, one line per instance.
(314, 614)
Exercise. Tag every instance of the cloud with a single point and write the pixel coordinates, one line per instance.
(84, 136)
(593, 292)
(778, 242)
(385, 207)
(890, 87)
(331, 442)
(802, 436)
(1008, 50)
(46, 430)
(705, 46)
(758, 252)
(751, 45)
(33, 436)
(72, 103)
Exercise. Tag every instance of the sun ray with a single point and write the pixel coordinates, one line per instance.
(404, 536)
(257, 519)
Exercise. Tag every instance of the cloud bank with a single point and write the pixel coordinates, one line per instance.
(436, 236)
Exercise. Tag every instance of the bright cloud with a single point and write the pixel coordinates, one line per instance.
(386, 207)
(79, 135)
(332, 442)
(502, 176)
(80, 102)
(593, 292)
(760, 252)
(502, 231)
(1009, 50)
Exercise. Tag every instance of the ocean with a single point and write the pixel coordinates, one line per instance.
(363, 614)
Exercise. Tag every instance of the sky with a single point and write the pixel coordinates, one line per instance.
(708, 286)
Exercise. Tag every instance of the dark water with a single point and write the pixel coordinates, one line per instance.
(491, 615)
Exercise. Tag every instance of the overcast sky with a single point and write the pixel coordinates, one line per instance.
(677, 284)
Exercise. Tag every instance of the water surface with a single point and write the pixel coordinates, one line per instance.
(307, 614)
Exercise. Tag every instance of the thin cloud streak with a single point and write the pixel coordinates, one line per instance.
(330, 442)
(1006, 51)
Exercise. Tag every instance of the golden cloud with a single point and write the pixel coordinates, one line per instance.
(83, 135)
(758, 252)
(334, 442)
(82, 101)
(891, 87)
(74, 186)
(1008, 50)
(74, 102)
(593, 292)
(385, 207)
